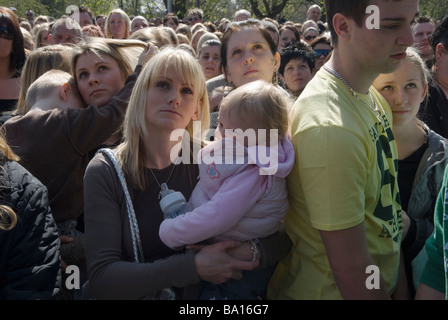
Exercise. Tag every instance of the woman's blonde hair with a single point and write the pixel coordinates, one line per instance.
(260, 101)
(38, 30)
(125, 18)
(8, 217)
(39, 61)
(135, 127)
(414, 58)
(124, 51)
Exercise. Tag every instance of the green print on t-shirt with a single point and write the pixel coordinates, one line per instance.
(387, 165)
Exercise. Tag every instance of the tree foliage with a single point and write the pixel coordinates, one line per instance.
(214, 10)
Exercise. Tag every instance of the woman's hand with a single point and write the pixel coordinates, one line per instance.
(215, 265)
(147, 53)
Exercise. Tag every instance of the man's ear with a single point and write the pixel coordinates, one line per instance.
(341, 26)
(440, 49)
(64, 91)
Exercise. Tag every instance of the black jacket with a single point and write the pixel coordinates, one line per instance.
(29, 253)
(434, 110)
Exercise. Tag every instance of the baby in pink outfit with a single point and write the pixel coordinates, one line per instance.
(241, 193)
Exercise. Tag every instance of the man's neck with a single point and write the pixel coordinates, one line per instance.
(354, 74)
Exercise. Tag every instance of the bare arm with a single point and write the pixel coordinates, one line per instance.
(349, 258)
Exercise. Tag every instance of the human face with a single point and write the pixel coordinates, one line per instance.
(62, 35)
(382, 50)
(101, 23)
(297, 74)
(44, 38)
(324, 49)
(232, 121)
(286, 37)
(84, 19)
(404, 90)
(138, 23)
(314, 14)
(117, 26)
(310, 35)
(422, 31)
(249, 58)
(171, 24)
(170, 103)
(99, 78)
(193, 19)
(209, 59)
(5, 47)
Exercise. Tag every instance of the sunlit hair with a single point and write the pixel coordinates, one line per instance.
(414, 58)
(47, 84)
(39, 61)
(155, 35)
(184, 29)
(39, 30)
(8, 217)
(124, 51)
(126, 20)
(259, 101)
(135, 127)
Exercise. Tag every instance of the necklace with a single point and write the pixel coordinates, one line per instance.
(164, 185)
(375, 109)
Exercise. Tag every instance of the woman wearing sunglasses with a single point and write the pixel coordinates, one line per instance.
(12, 58)
(310, 34)
(322, 49)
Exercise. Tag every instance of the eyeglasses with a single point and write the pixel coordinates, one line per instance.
(5, 33)
(310, 37)
(319, 52)
(193, 19)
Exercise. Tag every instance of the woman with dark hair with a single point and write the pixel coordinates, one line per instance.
(296, 68)
(249, 53)
(288, 36)
(322, 49)
(12, 58)
(171, 20)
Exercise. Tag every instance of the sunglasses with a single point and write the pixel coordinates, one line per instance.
(310, 37)
(193, 19)
(319, 52)
(5, 33)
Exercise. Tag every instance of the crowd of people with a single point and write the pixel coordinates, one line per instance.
(171, 158)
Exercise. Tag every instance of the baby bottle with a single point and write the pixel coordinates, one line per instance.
(172, 203)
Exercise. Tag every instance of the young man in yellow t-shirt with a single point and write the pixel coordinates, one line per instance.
(345, 217)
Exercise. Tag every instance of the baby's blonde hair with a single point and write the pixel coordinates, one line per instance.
(261, 101)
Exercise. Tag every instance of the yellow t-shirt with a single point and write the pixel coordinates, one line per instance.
(345, 173)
